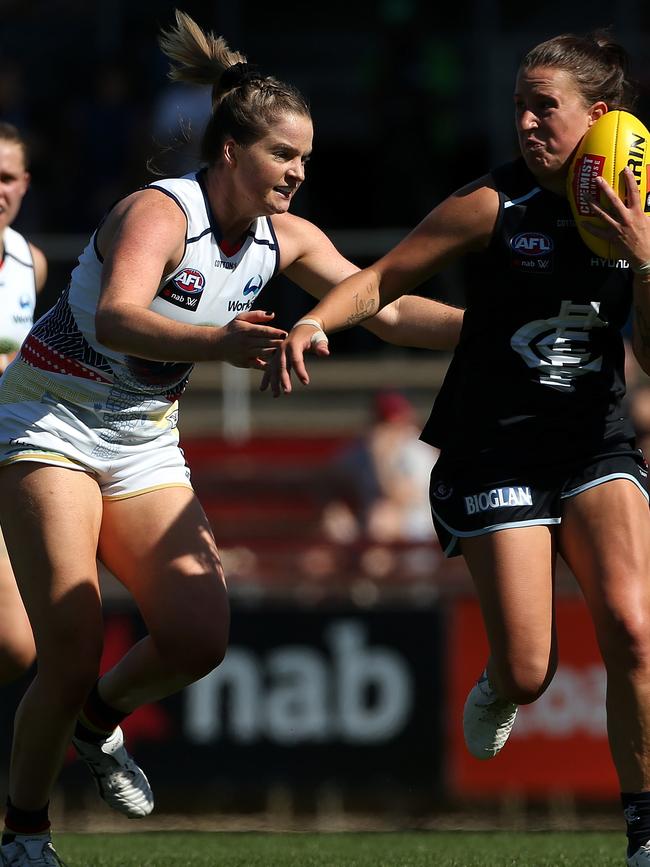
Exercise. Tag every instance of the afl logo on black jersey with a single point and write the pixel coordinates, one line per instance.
(533, 252)
(185, 289)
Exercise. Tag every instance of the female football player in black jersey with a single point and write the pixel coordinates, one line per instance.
(538, 456)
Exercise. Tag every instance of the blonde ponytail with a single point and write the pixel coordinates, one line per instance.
(245, 103)
(196, 57)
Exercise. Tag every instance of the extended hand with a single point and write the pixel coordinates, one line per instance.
(247, 342)
(290, 356)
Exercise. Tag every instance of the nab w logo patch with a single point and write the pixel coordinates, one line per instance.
(185, 289)
(533, 252)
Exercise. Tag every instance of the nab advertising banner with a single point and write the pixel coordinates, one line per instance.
(559, 743)
(316, 695)
(307, 696)
(304, 697)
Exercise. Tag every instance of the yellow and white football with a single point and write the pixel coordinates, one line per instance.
(615, 140)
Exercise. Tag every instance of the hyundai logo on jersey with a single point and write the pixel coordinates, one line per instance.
(254, 285)
(185, 289)
(533, 252)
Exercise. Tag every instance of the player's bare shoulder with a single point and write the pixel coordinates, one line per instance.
(462, 223)
(148, 213)
(472, 211)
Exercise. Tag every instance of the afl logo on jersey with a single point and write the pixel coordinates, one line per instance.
(189, 280)
(533, 252)
(531, 244)
(185, 289)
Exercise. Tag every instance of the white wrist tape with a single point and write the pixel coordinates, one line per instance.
(318, 336)
(643, 268)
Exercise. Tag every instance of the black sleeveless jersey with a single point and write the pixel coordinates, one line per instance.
(538, 375)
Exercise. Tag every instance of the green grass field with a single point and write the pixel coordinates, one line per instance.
(409, 849)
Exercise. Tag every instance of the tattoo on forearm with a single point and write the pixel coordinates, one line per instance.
(363, 309)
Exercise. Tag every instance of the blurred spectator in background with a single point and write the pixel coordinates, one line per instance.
(382, 479)
(23, 270)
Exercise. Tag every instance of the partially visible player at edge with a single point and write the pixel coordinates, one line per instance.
(537, 454)
(23, 271)
(94, 468)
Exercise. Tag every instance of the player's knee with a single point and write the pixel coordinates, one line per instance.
(525, 682)
(204, 656)
(625, 641)
(192, 644)
(195, 655)
(17, 651)
(16, 661)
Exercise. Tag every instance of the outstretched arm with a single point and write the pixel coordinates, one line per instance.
(311, 260)
(418, 322)
(462, 223)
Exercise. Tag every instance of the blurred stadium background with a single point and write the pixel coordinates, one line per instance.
(353, 645)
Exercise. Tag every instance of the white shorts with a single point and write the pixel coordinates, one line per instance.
(53, 434)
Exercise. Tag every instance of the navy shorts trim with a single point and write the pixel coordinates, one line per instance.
(463, 506)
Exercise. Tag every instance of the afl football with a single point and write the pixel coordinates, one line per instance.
(615, 140)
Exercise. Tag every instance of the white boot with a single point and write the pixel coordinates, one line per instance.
(487, 720)
(121, 783)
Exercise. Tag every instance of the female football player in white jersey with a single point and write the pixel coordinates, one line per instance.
(537, 454)
(89, 455)
(23, 270)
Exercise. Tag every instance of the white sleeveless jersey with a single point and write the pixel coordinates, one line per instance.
(17, 291)
(129, 398)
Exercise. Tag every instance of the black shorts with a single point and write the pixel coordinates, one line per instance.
(463, 507)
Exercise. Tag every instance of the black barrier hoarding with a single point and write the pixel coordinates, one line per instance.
(307, 696)
(304, 697)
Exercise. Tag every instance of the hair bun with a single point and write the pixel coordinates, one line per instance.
(238, 74)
